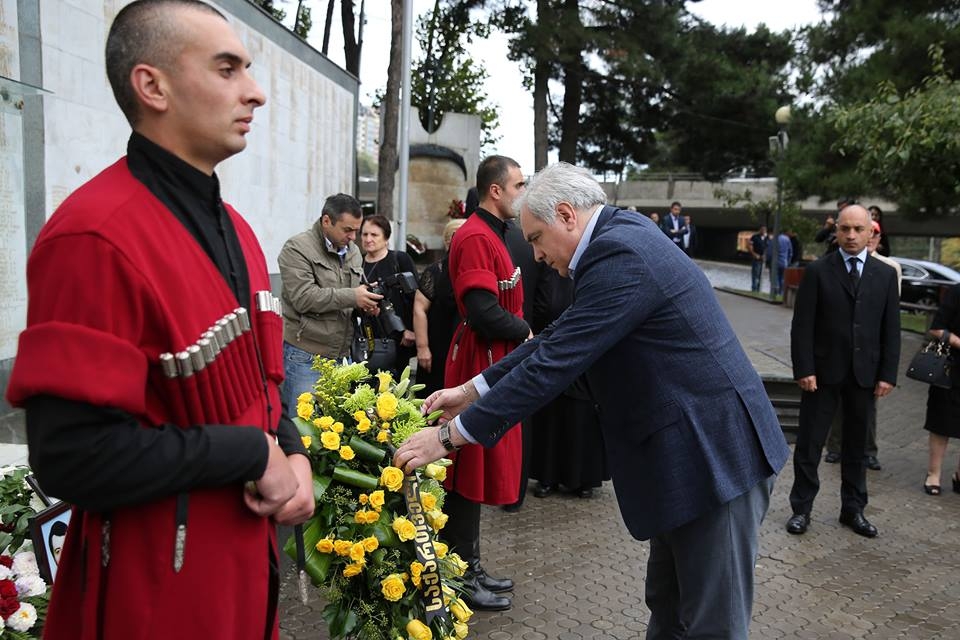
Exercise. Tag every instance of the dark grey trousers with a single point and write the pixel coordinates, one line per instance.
(700, 575)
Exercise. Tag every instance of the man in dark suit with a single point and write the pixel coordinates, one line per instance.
(692, 462)
(845, 344)
(673, 225)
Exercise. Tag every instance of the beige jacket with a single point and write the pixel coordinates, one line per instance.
(318, 297)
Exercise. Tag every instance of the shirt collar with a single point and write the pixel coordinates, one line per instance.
(174, 171)
(584, 240)
(495, 223)
(862, 256)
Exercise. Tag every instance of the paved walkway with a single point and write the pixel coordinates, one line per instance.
(579, 574)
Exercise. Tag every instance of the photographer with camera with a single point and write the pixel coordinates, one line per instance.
(321, 271)
(390, 274)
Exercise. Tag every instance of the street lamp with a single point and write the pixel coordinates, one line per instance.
(778, 145)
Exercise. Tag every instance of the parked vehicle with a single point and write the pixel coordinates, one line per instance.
(922, 281)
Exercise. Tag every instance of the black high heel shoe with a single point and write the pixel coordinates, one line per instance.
(956, 482)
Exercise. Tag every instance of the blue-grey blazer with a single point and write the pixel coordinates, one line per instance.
(686, 421)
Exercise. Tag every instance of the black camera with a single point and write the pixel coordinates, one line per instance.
(406, 283)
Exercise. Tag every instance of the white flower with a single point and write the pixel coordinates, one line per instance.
(3, 625)
(5, 573)
(30, 586)
(25, 564)
(24, 618)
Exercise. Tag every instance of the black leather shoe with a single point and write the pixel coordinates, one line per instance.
(479, 598)
(512, 507)
(496, 585)
(798, 523)
(860, 525)
(585, 493)
(872, 463)
(543, 489)
(832, 457)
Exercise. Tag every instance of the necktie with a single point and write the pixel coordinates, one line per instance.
(854, 272)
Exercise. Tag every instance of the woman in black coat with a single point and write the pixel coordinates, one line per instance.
(943, 405)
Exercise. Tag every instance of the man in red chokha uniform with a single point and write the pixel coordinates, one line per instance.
(150, 365)
(489, 295)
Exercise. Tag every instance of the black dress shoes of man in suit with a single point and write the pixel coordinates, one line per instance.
(543, 489)
(798, 523)
(859, 524)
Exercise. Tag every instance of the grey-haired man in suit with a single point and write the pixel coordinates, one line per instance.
(693, 463)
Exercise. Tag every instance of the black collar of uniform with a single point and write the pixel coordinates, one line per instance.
(495, 223)
(147, 157)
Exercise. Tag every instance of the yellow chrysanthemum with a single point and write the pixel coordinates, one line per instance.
(392, 478)
(385, 380)
(387, 406)
(307, 441)
(346, 452)
(404, 529)
(330, 440)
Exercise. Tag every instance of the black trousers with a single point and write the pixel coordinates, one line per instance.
(462, 531)
(816, 413)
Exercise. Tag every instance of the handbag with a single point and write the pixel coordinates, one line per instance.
(380, 354)
(933, 363)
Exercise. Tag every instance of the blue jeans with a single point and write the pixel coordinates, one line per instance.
(298, 376)
(756, 270)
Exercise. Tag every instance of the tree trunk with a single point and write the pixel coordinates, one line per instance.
(541, 78)
(390, 114)
(572, 56)
(351, 51)
(327, 23)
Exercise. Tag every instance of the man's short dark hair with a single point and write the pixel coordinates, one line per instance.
(144, 32)
(675, 204)
(335, 206)
(493, 170)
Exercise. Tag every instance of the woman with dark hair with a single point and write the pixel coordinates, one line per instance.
(877, 216)
(943, 405)
(379, 261)
(435, 316)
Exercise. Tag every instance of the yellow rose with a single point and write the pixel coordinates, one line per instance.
(404, 528)
(307, 441)
(324, 422)
(392, 478)
(437, 519)
(440, 548)
(419, 631)
(436, 471)
(363, 516)
(373, 516)
(325, 545)
(461, 629)
(359, 415)
(330, 440)
(306, 396)
(460, 610)
(385, 426)
(342, 547)
(352, 569)
(371, 544)
(346, 452)
(429, 501)
(416, 569)
(364, 498)
(337, 427)
(392, 587)
(357, 551)
(387, 406)
(459, 566)
(377, 499)
(363, 425)
(383, 436)
(305, 409)
(385, 379)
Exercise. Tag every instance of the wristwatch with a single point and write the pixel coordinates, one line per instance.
(444, 435)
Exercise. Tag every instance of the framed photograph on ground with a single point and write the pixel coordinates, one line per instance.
(47, 530)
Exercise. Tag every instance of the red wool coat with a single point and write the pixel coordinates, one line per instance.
(114, 281)
(479, 260)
